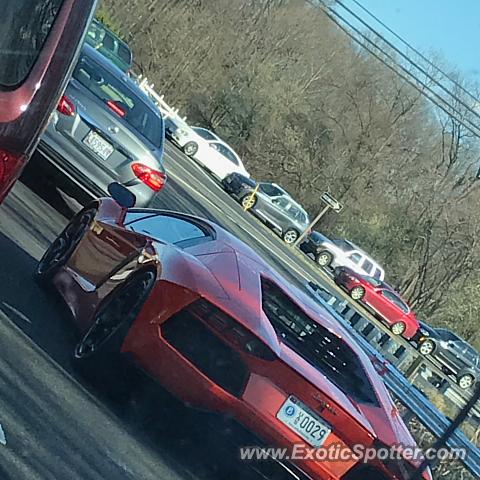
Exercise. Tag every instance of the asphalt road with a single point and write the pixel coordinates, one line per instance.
(59, 425)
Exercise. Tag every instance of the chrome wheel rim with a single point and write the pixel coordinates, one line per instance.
(323, 259)
(398, 328)
(248, 201)
(466, 381)
(357, 293)
(290, 236)
(426, 348)
(190, 148)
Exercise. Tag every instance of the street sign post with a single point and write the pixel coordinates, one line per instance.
(330, 203)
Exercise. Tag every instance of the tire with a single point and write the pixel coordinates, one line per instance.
(398, 328)
(290, 236)
(357, 293)
(61, 249)
(102, 341)
(190, 148)
(324, 258)
(246, 203)
(427, 347)
(465, 381)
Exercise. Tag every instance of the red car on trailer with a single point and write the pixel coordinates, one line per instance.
(205, 316)
(381, 299)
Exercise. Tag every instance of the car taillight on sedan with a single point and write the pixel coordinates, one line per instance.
(150, 177)
(66, 107)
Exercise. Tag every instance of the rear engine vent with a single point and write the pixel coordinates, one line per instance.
(213, 357)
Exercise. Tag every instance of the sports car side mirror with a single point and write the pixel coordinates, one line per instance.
(122, 195)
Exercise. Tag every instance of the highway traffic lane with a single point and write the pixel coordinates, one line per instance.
(57, 424)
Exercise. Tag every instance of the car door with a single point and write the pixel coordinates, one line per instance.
(353, 260)
(386, 305)
(39, 44)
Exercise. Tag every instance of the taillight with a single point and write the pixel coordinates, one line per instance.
(10, 168)
(116, 108)
(66, 107)
(150, 177)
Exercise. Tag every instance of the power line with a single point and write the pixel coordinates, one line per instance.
(403, 55)
(423, 57)
(445, 106)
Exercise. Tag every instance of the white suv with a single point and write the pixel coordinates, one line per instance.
(342, 253)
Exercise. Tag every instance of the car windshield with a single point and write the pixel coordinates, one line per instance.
(204, 133)
(107, 87)
(320, 347)
(29, 22)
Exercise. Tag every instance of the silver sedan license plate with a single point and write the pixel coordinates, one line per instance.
(98, 145)
(304, 422)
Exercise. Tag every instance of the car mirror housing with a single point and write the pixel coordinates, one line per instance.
(124, 197)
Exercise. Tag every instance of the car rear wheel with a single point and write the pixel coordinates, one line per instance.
(290, 236)
(190, 148)
(248, 201)
(465, 381)
(324, 259)
(427, 347)
(398, 328)
(60, 250)
(113, 319)
(357, 293)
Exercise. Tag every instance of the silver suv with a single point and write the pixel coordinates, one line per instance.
(342, 253)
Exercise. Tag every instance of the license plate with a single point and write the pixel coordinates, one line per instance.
(98, 145)
(304, 422)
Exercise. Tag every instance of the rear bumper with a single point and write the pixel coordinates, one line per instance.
(57, 158)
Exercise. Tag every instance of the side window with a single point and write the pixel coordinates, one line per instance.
(167, 229)
(367, 265)
(109, 43)
(355, 257)
(377, 274)
(395, 300)
(124, 53)
(226, 152)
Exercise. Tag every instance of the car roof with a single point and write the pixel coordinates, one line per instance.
(108, 65)
(363, 252)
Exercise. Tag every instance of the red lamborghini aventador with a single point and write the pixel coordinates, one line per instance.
(204, 315)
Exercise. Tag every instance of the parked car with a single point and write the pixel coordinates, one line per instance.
(313, 243)
(281, 213)
(343, 253)
(39, 43)
(105, 129)
(457, 357)
(207, 149)
(206, 317)
(110, 45)
(381, 299)
(240, 187)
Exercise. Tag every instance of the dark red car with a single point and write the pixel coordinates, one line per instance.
(203, 314)
(383, 301)
(39, 43)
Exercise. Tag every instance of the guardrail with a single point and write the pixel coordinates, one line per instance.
(416, 403)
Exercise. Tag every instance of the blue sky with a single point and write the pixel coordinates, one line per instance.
(451, 27)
